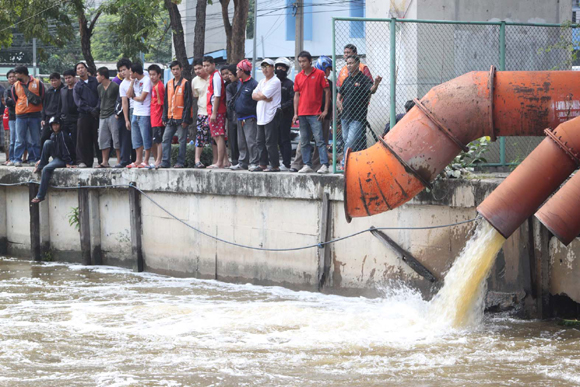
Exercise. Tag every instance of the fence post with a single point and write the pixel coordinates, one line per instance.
(334, 108)
(136, 228)
(34, 222)
(393, 75)
(502, 68)
(84, 224)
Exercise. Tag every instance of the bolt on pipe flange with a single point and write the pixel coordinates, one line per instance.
(568, 150)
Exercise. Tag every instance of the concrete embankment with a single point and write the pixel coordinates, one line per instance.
(119, 226)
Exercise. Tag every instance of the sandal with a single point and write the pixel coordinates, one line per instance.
(272, 169)
(143, 165)
(132, 165)
(179, 166)
(256, 169)
(199, 165)
(213, 166)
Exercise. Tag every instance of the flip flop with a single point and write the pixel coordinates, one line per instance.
(213, 166)
(132, 165)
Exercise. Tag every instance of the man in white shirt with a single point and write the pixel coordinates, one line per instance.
(141, 135)
(124, 119)
(199, 86)
(268, 93)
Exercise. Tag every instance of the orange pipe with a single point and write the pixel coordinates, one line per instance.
(425, 141)
(534, 180)
(561, 214)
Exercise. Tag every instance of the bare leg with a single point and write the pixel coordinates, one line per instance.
(105, 156)
(139, 158)
(198, 152)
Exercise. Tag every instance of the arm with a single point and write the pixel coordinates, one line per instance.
(125, 103)
(145, 92)
(376, 84)
(81, 104)
(140, 98)
(326, 103)
(187, 104)
(218, 92)
(43, 114)
(339, 101)
(296, 100)
(164, 116)
(290, 102)
(130, 91)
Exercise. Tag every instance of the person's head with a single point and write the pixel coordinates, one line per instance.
(154, 73)
(21, 73)
(82, 70)
(11, 76)
(409, 105)
(136, 71)
(208, 64)
(349, 50)
(198, 68)
(225, 72)
(175, 67)
(282, 67)
(244, 69)
(54, 124)
(324, 63)
(305, 60)
(233, 69)
(123, 68)
(352, 64)
(267, 68)
(70, 77)
(55, 80)
(102, 74)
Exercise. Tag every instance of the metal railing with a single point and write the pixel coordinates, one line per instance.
(412, 56)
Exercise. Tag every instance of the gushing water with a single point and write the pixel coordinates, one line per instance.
(460, 302)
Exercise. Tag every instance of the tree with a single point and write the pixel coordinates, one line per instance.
(235, 29)
(178, 37)
(87, 18)
(199, 37)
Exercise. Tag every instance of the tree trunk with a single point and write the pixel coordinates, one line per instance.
(228, 27)
(240, 19)
(178, 38)
(199, 38)
(86, 42)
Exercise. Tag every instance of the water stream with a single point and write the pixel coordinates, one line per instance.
(69, 325)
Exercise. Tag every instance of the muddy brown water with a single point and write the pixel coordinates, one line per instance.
(69, 325)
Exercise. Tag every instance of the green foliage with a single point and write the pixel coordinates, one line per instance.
(206, 155)
(250, 22)
(74, 218)
(47, 256)
(565, 44)
(464, 162)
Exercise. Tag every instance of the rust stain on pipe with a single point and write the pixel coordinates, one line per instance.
(534, 180)
(561, 214)
(425, 141)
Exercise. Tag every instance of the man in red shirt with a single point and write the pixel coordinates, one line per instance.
(157, 98)
(216, 110)
(309, 85)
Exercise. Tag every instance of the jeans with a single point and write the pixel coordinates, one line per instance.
(47, 168)
(248, 142)
(27, 131)
(141, 132)
(268, 143)
(352, 134)
(12, 126)
(166, 144)
(311, 126)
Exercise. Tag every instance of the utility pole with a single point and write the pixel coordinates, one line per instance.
(255, 48)
(34, 57)
(299, 39)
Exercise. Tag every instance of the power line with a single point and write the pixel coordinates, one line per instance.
(36, 14)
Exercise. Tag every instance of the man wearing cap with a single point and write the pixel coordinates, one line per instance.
(268, 94)
(245, 108)
(60, 148)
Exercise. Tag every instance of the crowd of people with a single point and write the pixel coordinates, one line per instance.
(137, 116)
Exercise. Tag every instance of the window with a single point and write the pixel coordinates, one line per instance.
(291, 20)
(357, 28)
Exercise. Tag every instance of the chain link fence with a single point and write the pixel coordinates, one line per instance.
(426, 54)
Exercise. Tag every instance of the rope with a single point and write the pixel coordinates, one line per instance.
(319, 245)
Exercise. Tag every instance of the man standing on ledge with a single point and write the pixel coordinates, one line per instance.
(86, 98)
(27, 94)
(309, 85)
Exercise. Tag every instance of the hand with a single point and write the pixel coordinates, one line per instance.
(294, 119)
(322, 115)
(378, 79)
(164, 123)
(42, 123)
(213, 119)
(268, 100)
(71, 166)
(37, 163)
(128, 124)
(184, 125)
(339, 104)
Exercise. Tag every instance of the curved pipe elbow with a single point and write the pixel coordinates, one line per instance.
(440, 126)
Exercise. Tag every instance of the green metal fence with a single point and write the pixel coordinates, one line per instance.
(412, 56)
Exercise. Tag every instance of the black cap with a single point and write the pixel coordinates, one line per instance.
(54, 120)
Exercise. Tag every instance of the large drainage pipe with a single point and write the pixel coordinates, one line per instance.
(443, 122)
(534, 180)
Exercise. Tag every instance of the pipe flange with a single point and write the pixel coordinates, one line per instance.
(407, 167)
(490, 87)
(439, 125)
(568, 150)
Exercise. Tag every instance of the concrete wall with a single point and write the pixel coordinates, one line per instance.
(279, 211)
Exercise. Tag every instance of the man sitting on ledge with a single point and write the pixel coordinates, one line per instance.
(59, 147)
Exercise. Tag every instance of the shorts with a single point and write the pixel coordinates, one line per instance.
(108, 129)
(141, 132)
(158, 134)
(202, 137)
(219, 128)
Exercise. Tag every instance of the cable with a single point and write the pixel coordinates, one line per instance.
(319, 245)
